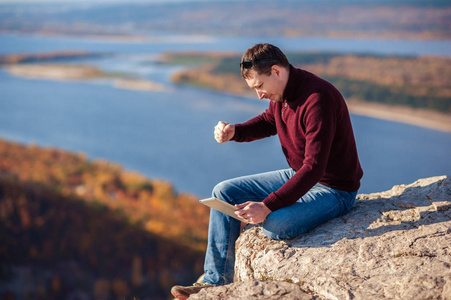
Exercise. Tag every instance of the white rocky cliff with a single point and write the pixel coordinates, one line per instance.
(392, 245)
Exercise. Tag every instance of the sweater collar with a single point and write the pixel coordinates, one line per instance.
(294, 84)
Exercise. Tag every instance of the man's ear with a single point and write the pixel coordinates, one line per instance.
(275, 69)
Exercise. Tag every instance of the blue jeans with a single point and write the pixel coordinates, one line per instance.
(317, 206)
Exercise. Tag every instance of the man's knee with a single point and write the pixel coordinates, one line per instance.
(278, 235)
(281, 233)
(221, 189)
(272, 235)
(282, 226)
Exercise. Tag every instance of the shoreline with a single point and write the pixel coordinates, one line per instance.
(402, 114)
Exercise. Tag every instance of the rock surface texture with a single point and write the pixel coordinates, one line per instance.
(392, 245)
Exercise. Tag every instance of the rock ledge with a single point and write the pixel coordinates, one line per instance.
(392, 245)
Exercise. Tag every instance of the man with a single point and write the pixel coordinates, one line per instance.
(312, 121)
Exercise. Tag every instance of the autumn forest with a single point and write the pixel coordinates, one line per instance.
(92, 226)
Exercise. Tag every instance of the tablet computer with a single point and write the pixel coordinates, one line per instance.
(222, 206)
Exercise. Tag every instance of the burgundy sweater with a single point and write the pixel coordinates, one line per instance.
(316, 136)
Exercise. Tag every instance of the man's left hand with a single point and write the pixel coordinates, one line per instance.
(253, 212)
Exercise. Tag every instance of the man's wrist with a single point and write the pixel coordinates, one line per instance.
(271, 202)
(266, 210)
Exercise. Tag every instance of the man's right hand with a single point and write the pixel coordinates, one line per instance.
(224, 132)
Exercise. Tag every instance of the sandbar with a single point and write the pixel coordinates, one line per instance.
(418, 117)
(55, 71)
(138, 84)
(78, 72)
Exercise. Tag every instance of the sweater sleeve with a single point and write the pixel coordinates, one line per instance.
(260, 127)
(319, 122)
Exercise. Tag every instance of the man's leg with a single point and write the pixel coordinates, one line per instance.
(224, 230)
(316, 207)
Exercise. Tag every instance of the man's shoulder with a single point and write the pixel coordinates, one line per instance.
(316, 81)
(319, 86)
(307, 86)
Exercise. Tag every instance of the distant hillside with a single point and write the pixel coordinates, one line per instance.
(416, 82)
(76, 226)
(387, 18)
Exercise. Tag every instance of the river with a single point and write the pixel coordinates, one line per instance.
(169, 134)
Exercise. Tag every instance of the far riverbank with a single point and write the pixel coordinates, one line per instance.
(410, 90)
(220, 82)
(418, 117)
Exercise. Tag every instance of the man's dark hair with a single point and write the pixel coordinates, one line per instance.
(260, 58)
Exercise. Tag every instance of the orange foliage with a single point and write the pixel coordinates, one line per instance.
(206, 76)
(152, 203)
(419, 74)
(114, 258)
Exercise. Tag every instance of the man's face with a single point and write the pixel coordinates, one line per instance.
(267, 87)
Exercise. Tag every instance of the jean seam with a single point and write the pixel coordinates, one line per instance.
(223, 279)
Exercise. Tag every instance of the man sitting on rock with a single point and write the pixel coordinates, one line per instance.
(312, 121)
